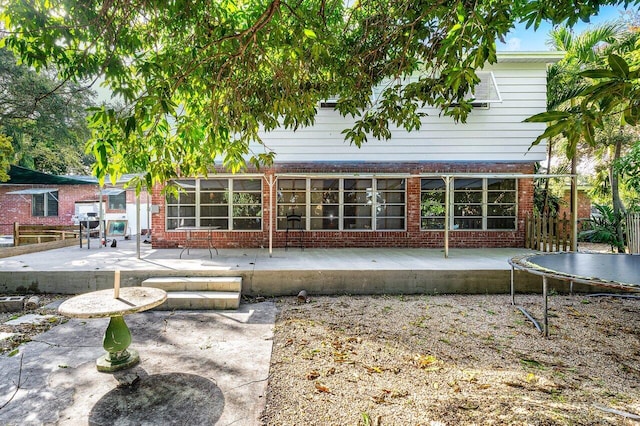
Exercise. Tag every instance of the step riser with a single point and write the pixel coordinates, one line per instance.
(195, 284)
(198, 304)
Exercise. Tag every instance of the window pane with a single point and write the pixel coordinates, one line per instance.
(354, 223)
(433, 197)
(501, 184)
(471, 223)
(390, 184)
(391, 197)
(214, 211)
(431, 184)
(320, 184)
(327, 210)
(37, 205)
(247, 185)
(501, 197)
(291, 197)
(508, 210)
(390, 223)
(118, 201)
(52, 203)
(215, 223)
(187, 198)
(214, 198)
(468, 184)
(185, 222)
(247, 224)
(247, 197)
(357, 210)
(247, 211)
(299, 184)
(355, 184)
(467, 210)
(390, 210)
(467, 197)
(324, 223)
(214, 184)
(356, 197)
(432, 223)
(501, 223)
(187, 211)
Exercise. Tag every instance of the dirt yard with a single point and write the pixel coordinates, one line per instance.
(454, 360)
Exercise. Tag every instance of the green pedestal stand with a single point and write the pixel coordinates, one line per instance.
(117, 339)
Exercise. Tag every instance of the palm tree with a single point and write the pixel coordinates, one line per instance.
(566, 86)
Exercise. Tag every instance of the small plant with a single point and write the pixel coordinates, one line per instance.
(604, 228)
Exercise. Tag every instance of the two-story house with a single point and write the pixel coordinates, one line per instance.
(469, 183)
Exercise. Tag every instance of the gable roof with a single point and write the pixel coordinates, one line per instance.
(23, 176)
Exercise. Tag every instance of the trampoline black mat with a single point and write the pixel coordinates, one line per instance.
(621, 268)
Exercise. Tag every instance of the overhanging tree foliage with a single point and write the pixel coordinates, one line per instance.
(46, 119)
(200, 79)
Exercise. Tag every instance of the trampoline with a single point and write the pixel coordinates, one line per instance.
(616, 271)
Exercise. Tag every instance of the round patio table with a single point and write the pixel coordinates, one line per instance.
(615, 271)
(117, 337)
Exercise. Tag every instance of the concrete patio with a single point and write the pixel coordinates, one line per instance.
(73, 270)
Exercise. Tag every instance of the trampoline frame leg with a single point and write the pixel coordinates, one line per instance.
(513, 293)
(545, 306)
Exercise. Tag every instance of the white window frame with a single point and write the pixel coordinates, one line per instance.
(484, 204)
(308, 204)
(197, 218)
(46, 201)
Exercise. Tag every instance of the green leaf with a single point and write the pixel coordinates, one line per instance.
(618, 65)
(602, 73)
(310, 33)
(546, 117)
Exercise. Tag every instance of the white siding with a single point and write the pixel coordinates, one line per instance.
(494, 134)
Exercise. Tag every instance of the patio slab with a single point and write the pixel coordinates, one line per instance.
(199, 368)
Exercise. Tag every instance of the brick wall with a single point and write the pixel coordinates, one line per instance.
(412, 237)
(17, 208)
(584, 205)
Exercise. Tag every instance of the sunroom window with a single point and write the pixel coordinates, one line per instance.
(221, 203)
(349, 204)
(477, 204)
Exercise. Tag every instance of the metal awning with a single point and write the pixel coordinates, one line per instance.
(33, 191)
(112, 191)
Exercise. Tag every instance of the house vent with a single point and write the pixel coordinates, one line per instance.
(486, 91)
(331, 102)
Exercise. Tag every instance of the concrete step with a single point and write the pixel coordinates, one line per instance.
(201, 300)
(199, 293)
(170, 284)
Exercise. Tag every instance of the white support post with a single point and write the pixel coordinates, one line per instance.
(447, 188)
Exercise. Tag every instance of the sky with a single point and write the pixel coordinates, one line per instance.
(527, 40)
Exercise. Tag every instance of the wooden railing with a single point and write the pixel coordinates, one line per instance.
(548, 233)
(34, 234)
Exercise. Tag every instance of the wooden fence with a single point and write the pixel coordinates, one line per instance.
(633, 232)
(34, 234)
(548, 233)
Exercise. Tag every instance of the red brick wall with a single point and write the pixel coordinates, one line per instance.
(17, 208)
(412, 237)
(584, 205)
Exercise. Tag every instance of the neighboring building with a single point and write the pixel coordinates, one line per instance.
(34, 198)
(388, 193)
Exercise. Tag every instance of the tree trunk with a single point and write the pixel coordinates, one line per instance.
(545, 205)
(618, 206)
